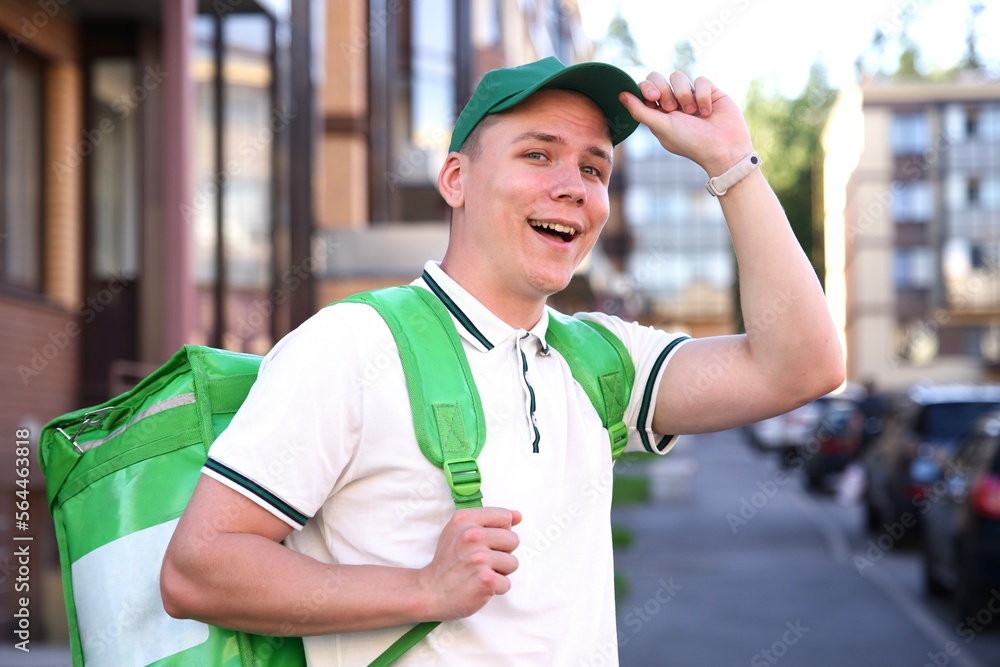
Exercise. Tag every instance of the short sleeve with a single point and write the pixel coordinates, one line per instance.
(651, 350)
(293, 440)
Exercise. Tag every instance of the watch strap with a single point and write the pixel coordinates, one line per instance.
(719, 185)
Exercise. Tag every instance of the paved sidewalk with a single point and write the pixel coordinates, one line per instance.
(740, 571)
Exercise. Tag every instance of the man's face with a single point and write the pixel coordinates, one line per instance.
(536, 194)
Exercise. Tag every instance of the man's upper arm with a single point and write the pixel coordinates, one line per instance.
(712, 384)
(215, 509)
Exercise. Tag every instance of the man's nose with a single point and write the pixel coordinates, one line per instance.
(568, 185)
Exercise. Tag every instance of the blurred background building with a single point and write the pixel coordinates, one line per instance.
(912, 225)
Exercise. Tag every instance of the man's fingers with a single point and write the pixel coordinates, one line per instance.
(489, 517)
(704, 90)
(684, 92)
(659, 92)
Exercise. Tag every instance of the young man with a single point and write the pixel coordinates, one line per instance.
(322, 455)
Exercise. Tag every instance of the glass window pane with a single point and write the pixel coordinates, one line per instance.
(21, 188)
(909, 133)
(248, 144)
(432, 89)
(912, 201)
(115, 177)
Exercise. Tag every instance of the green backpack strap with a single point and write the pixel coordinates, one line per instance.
(447, 411)
(599, 361)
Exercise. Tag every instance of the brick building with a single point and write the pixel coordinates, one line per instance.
(212, 171)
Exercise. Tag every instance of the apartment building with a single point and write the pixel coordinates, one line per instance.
(912, 214)
(678, 271)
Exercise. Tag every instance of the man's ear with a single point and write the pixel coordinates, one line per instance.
(451, 182)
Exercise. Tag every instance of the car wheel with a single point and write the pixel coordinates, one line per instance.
(969, 596)
(873, 520)
(932, 585)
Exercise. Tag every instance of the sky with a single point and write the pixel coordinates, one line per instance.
(738, 40)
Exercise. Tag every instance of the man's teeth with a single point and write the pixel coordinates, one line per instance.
(554, 226)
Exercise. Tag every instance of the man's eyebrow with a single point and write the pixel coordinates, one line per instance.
(545, 137)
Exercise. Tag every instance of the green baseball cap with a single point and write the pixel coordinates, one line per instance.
(501, 89)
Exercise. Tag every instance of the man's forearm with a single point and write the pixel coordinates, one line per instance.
(790, 331)
(280, 592)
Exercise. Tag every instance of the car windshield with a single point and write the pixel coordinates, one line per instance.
(837, 419)
(948, 421)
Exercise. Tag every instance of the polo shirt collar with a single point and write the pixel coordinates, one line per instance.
(474, 321)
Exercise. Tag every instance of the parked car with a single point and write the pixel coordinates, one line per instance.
(835, 442)
(920, 428)
(788, 433)
(961, 547)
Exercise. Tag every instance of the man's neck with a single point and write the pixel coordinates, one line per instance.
(520, 312)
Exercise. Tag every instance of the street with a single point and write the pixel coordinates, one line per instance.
(735, 563)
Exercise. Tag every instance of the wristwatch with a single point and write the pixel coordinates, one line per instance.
(719, 185)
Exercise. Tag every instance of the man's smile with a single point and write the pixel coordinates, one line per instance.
(555, 229)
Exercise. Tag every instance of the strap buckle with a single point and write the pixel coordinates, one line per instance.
(463, 476)
(92, 419)
(619, 438)
(464, 479)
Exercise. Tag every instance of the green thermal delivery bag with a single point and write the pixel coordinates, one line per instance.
(119, 475)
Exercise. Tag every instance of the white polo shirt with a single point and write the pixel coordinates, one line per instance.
(325, 442)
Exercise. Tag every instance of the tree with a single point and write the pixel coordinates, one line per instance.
(971, 59)
(786, 133)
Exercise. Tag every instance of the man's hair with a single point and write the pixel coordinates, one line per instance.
(473, 145)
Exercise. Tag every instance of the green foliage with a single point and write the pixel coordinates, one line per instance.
(630, 490)
(786, 133)
(621, 538)
(621, 586)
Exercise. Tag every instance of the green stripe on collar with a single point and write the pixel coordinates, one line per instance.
(456, 311)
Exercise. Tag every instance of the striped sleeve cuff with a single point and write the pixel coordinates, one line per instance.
(255, 492)
(644, 421)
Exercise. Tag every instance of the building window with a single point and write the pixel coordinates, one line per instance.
(971, 122)
(21, 171)
(914, 268)
(989, 122)
(909, 133)
(913, 201)
(972, 193)
(238, 125)
(989, 192)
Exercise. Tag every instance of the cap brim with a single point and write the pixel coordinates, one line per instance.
(601, 82)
